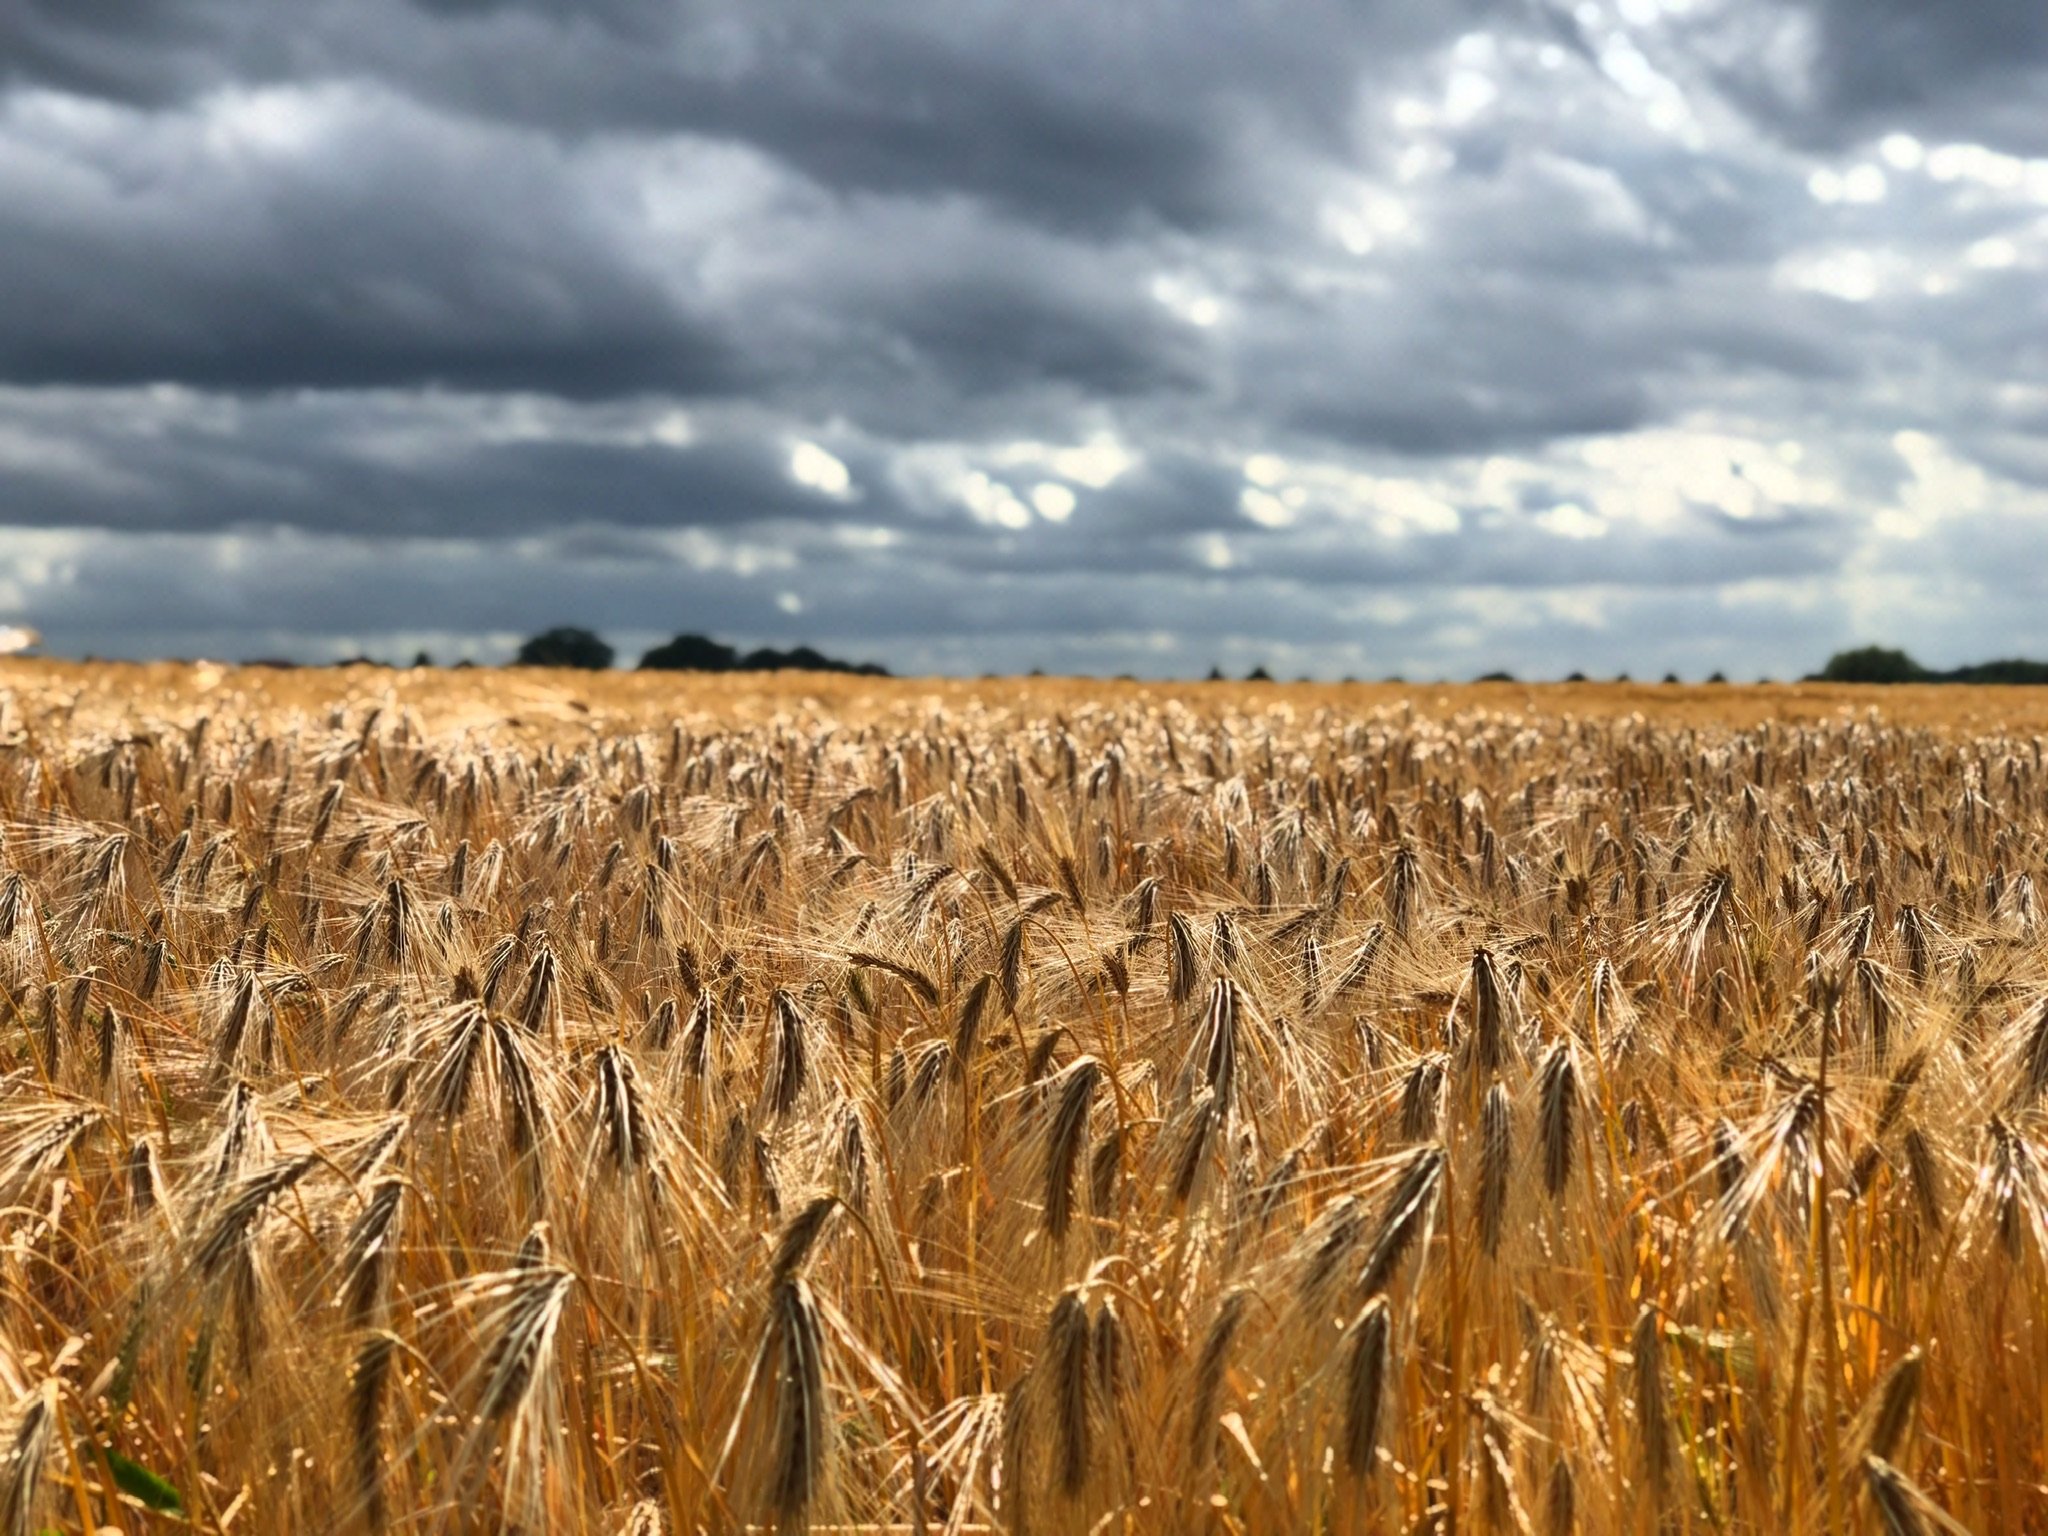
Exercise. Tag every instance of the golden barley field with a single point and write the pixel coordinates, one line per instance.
(479, 1100)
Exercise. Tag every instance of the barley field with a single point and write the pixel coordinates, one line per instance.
(489, 1100)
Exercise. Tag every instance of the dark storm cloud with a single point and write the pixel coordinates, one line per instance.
(1497, 362)
(344, 240)
(394, 465)
(1832, 72)
(921, 320)
(995, 336)
(1938, 62)
(1430, 421)
(1074, 113)
(1515, 554)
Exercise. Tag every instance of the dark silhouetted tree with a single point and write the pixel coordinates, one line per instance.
(1871, 664)
(700, 653)
(566, 646)
(690, 653)
(2012, 670)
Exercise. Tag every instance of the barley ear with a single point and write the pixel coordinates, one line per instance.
(1365, 1386)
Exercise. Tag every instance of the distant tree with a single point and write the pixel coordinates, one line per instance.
(1258, 675)
(1575, 677)
(1717, 676)
(2013, 670)
(1670, 677)
(1216, 674)
(690, 653)
(1495, 677)
(700, 653)
(1871, 664)
(1876, 664)
(804, 658)
(800, 658)
(566, 646)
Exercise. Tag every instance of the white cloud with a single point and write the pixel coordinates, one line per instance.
(1851, 273)
(1098, 463)
(1992, 253)
(1265, 509)
(1188, 298)
(1864, 183)
(813, 467)
(1055, 503)
(1265, 469)
(1569, 520)
(1942, 488)
(991, 501)
(1902, 152)
(1467, 94)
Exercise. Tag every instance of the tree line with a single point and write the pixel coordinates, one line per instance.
(568, 646)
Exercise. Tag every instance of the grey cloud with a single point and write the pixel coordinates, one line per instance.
(1072, 113)
(1832, 73)
(397, 249)
(127, 50)
(1476, 370)
(488, 251)
(1175, 494)
(314, 598)
(317, 464)
(1512, 554)
(1453, 420)
(384, 245)
(920, 318)
(1929, 61)
(994, 335)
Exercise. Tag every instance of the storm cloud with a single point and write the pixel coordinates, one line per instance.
(1350, 338)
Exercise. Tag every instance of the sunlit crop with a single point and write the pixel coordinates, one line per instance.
(1150, 1110)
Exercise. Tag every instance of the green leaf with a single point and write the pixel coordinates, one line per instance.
(138, 1482)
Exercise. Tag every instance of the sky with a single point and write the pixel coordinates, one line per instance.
(1343, 337)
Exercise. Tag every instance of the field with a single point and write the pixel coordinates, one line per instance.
(478, 1100)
